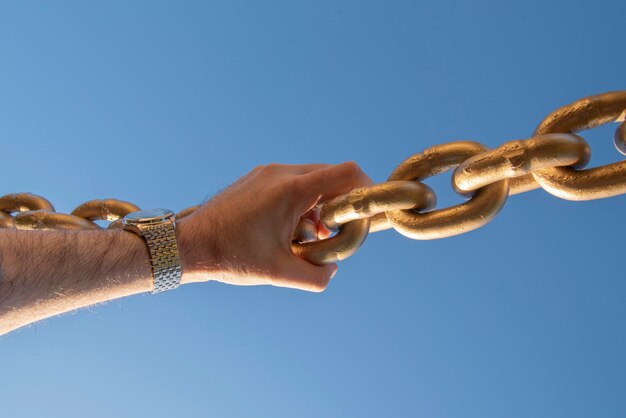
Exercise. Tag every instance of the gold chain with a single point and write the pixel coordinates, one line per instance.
(553, 159)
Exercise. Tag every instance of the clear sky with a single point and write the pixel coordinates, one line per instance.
(522, 318)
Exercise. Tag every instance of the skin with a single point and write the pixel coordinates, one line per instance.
(240, 237)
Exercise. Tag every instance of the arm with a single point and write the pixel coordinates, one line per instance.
(241, 237)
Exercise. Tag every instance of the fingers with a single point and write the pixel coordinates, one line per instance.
(294, 169)
(335, 180)
(328, 182)
(306, 168)
(313, 215)
(300, 274)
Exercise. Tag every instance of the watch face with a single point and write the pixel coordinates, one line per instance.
(149, 215)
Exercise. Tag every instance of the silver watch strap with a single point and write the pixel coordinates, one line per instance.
(164, 256)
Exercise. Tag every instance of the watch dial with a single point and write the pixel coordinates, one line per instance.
(149, 215)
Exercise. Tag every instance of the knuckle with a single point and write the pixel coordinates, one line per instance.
(273, 167)
(357, 174)
(352, 165)
(352, 168)
(269, 168)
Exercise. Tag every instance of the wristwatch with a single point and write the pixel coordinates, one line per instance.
(157, 228)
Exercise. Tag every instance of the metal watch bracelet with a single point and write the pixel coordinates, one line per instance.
(164, 256)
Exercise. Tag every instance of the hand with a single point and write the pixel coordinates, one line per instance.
(243, 235)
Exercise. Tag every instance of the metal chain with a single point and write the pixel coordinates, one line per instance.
(553, 159)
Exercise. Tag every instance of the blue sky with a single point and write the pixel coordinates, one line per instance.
(522, 318)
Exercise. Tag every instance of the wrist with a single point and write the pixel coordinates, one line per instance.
(198, 250)
(137, 257)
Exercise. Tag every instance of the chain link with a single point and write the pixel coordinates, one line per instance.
(620, 138)
(553, 159)
(516, 159)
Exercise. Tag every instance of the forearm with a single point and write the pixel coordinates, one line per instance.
(45, 273)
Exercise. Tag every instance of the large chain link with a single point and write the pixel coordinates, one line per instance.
(553, 159)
